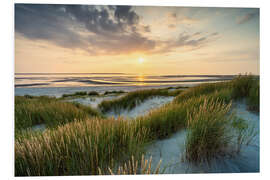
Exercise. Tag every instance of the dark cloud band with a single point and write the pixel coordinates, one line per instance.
(105, 30)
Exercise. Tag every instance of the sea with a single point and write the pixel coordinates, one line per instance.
(56, 84)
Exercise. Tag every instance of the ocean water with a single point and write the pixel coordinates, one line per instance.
(56, 84)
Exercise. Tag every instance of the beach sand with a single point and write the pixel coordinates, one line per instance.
(171, 151)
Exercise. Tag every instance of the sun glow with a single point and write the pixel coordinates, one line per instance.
(141, 60)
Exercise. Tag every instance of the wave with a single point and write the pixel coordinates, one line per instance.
(115, 79)
(34, 84)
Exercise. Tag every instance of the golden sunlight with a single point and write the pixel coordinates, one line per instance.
(141, 60)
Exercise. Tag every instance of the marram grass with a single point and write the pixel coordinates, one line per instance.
(82, 147)
(78, 148)
(133, 167)
(48, 111)
(208, 131)
(134, 98)
(96, 145)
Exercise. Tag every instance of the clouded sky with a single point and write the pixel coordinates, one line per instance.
(169, 40)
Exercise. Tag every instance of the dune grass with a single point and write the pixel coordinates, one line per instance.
(133, 167)
(49, 111)
(178, 87)
(253, 99)
(244, 133)
(96, 145)
(93, 93)
(134, 98)
(81, 147)
(247, 86)
(210, 127)
(208, 132)
(168, 119)
(78, 148)
(202, 89)
(81, 94)
(241, 86)
(113, 92)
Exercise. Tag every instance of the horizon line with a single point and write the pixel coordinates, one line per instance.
(139, 74)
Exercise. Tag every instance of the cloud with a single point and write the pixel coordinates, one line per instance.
(46, 22)
(147, 28)
(174, 18)
(190, 40)
(124, 13)
(114, 29)
(172, 26)
(97, 30)
(247, 17)
(187, 41)
(214, 34)
(197, 33)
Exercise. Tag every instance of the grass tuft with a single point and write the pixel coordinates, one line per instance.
(49, 111)
(81, 94)
(253, 99)
(93, 93)
(241, 86)
(244, 133)
(113, 92)
(208, 133)
(202, 89)
(132, 99)
(78, 148)
(133, 167)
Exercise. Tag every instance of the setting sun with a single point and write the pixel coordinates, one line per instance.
(141, 60)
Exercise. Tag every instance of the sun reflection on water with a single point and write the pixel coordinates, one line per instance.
(140, 79)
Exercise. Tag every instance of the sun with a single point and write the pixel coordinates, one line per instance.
(141, 60)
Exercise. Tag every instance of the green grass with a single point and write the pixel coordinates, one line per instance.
(93, 93)
(208, 132)
(241, 86)
(95, 145)
(202, 89)
(168, 119)
(49, 111)
(78, 148)
(247, 86)
(134, 98)
(178, 87)
(82, 147)
(113, 92)
(81, 94)
(253, 99)
(244, 133)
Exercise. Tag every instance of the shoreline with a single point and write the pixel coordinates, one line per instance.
(136, 83)
(92, 80)
(59, 91)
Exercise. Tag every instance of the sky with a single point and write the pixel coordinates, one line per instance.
(136, 39)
